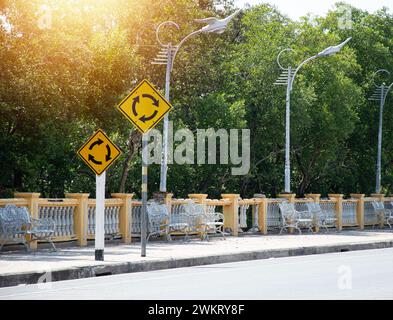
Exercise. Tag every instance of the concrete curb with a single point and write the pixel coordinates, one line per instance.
(9, 280)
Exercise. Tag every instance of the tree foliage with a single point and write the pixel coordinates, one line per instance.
(61, 81)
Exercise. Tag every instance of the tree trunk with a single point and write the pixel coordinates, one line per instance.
(134, 142)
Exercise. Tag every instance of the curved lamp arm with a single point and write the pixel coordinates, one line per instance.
(379, 71)
(379, 86)
(159, 28)
(325, 53)
(177, 47)
(279, 56)
(168, 45)
(298, 68)
(213, 24)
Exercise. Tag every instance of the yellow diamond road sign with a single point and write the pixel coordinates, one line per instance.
(144, 106)
(99, 152)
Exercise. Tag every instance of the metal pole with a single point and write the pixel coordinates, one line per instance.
(144, 194)
(100, 217)
(378, 178)
(164, 159)
(287, 134)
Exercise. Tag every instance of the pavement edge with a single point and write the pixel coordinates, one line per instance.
(24, 278)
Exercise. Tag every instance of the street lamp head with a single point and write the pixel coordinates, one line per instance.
(333, 49)
(215, 25)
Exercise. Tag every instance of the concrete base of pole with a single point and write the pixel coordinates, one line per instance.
(99, 255)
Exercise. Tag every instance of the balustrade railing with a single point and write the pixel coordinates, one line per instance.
(63, 215)
(111, 218)
(75, 215)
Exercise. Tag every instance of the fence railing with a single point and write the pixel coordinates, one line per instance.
(75, 215)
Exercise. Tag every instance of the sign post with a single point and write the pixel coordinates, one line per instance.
(144, 194)
(100, 217)
(144, 107)
(99, 152)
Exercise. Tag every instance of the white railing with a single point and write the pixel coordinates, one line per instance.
(63, 217)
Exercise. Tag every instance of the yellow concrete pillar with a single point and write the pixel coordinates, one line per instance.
(262, 212)
(80, 216)
(289, 196)
(231, 213)
(314, 196)
(198, 198)
(359, 209)
(339, 209)
(168, 201)
(32, 204)
(381, 198)
(262, 215)
(125, 218)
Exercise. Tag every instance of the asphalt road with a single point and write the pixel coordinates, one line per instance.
(350, 275)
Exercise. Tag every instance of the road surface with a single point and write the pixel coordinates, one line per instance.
(349, 275)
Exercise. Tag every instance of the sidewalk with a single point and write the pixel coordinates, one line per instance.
(20, 267)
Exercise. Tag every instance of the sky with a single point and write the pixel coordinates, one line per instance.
(297, 8)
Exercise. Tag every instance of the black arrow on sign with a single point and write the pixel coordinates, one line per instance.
(98, 142)
(108, 155)
(155, 101)
(92, 159)
(134, 103)
(144, 118)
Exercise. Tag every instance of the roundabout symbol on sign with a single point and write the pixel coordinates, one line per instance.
(144, 106)
(99, 152)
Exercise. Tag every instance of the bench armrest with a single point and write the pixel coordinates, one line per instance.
(305, 214)
(43, 224)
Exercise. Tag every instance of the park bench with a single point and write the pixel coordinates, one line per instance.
(162, 223)
(322, 219)
(291, 218)
(203, 221)
(193, 218)
(16, 224)
(384, 216)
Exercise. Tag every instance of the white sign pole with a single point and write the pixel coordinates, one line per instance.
(100, 217)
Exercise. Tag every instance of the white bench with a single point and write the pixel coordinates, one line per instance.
(384, 216)
(291, 218)
(321, 217)
(16, 224)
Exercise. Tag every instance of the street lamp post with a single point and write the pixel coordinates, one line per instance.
(287, 78)
(167, 56)
(380, 95)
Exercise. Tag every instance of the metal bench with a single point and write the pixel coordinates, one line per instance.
(163, 223)
(16, 224)
(213, 222)
(203, 221)
(384, 216)
(291, 218)
(322, 219)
